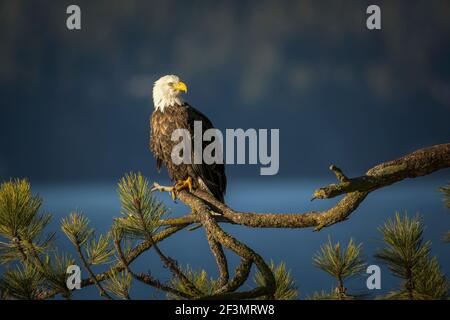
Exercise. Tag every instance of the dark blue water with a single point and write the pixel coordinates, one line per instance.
(99, 202)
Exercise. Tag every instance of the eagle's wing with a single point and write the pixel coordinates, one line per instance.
(212, 175)
(155, 141)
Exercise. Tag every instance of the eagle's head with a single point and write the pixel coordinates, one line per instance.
(167, 91)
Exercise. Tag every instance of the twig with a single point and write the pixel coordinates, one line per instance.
(147, 279)
(118, 267)
(91, 273)
(168, 262)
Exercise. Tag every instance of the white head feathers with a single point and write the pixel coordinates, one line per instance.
(166, 92)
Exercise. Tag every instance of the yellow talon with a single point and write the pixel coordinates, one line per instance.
(189, 183)
(184, 184)
(180, 186)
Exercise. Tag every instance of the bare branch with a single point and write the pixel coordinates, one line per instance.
(416, 164)
(221, 259)
(413, 165)
(176, 271)
(240, 276)
(200, 207)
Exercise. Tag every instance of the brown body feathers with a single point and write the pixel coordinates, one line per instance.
(209, 177)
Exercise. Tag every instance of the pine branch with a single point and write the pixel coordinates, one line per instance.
(76, 227)
(99, 251)
(144, 278)
(53, 268)
(119, 285)
(221, 260)
(407, 256)
(204, 214)
(86, 265)
(24, 283)
(141, 210)
(430, 282)
(241, 274)
(143, 214)
(21, 221)
(340, 263)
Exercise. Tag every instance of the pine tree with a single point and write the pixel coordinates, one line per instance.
(340, 264)
(31, 266)
(407, 257)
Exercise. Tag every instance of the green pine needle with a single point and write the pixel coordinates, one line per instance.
(54, 272)
(199, 278)
(285, 286)
(341, 263)
(76, 228)
(20, 219)
(119, 284)
(429, 281)
(446, 191)
(405, 247)
(408, 258)
(141, 210)
(23, 283)
(99, 251)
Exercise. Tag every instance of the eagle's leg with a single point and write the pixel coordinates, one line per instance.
(172, 190)
(184, 184)
(158, 187)
(181, 185)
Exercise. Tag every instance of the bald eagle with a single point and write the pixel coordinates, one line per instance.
(172, 113)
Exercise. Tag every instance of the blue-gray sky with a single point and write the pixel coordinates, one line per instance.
(75, 104)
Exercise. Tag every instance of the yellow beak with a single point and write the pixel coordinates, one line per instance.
(181, 86)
